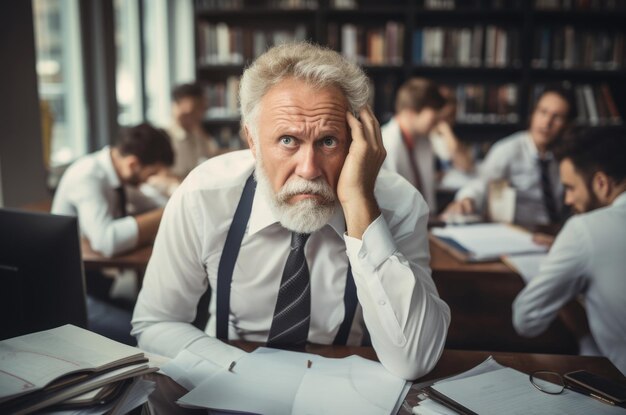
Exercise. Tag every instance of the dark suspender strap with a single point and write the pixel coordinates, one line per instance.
(229, 257)
(349, 303)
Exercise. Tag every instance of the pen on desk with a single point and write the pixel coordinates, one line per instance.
(309, 364)
(232, 365)
(601, 399)
(590, 394)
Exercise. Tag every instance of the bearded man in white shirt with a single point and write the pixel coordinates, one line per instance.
(525, 161)
(588, 257)
(358, 262)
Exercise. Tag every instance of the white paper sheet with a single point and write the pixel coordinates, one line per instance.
(279, 382)
(526, 265)
(507, 391)
(491, 240)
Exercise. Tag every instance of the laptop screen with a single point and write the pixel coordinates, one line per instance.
(42, 283)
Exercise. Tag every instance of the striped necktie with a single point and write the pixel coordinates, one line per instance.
(546, 189)
(292, 315)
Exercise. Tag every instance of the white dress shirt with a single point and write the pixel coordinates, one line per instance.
(88, 190)
(406, 319)
(588, 257)
(398, 160)
(516, 159)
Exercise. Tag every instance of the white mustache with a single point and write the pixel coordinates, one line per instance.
(297, 185)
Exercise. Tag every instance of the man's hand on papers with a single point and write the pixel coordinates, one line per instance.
(543, 239)
(460, 207)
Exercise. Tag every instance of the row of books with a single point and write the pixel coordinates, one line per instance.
(439, 46)
(595, 104)
(580, 4)
(436, 4)
(486, 104)
(566, 48)
(369, 46)
(241, 4)
(427, 4)
(222, 97)
(476, 103)
(223, 44)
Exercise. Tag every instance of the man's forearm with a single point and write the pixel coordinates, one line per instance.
(148, 225)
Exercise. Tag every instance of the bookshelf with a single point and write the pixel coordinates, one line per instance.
(495, 54)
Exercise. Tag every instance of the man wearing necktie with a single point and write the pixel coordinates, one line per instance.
(407, 136)
(525, 161)
(99, 189)
(587, 260)
(302, 238)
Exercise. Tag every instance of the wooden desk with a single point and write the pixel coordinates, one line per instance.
(480, 296)
(137, 259)
(451, 362)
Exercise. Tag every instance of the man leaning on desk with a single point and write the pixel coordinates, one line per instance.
(101, 190)
(588, 257)
(525, 161)
(327, 248)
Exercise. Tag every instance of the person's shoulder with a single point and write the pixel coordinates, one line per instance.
(602, 214)
(395, 194)
(390, 130)
(510, 141)
(86, 168)
(509, 146)
(220, 173)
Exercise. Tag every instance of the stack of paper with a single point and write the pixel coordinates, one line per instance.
(490, 241)
(494, 389)
(279, 382)
(49, 367)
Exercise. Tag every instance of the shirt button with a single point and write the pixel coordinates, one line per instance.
(361, 255)
(382, 302)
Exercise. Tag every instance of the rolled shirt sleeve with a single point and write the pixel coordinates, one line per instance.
(106, 235)
(406, 319)
(561, 278)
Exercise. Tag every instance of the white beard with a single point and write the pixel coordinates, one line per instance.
(307, 215)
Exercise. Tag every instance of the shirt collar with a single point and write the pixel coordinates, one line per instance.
(104, 159)
(532, 148)
(262, 216)
(620, 200)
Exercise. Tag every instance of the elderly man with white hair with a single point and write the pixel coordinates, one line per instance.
(302, 238)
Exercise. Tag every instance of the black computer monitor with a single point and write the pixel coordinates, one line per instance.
(42, 284)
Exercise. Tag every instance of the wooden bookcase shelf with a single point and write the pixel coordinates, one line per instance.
(250, 24)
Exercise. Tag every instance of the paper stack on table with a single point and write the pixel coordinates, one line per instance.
(491, 389)
(278, 382)
(50, 367)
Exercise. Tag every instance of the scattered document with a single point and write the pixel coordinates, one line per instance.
(278, 382)
(137, 394)
(49, 367)
(490, 241)
(526, 265)
(507, 391)
(32, 361)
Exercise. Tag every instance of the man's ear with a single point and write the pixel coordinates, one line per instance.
(250, 140)
(132, 162)
(601, 185)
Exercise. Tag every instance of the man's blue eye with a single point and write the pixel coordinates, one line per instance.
(329, 142)
(286, 140)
